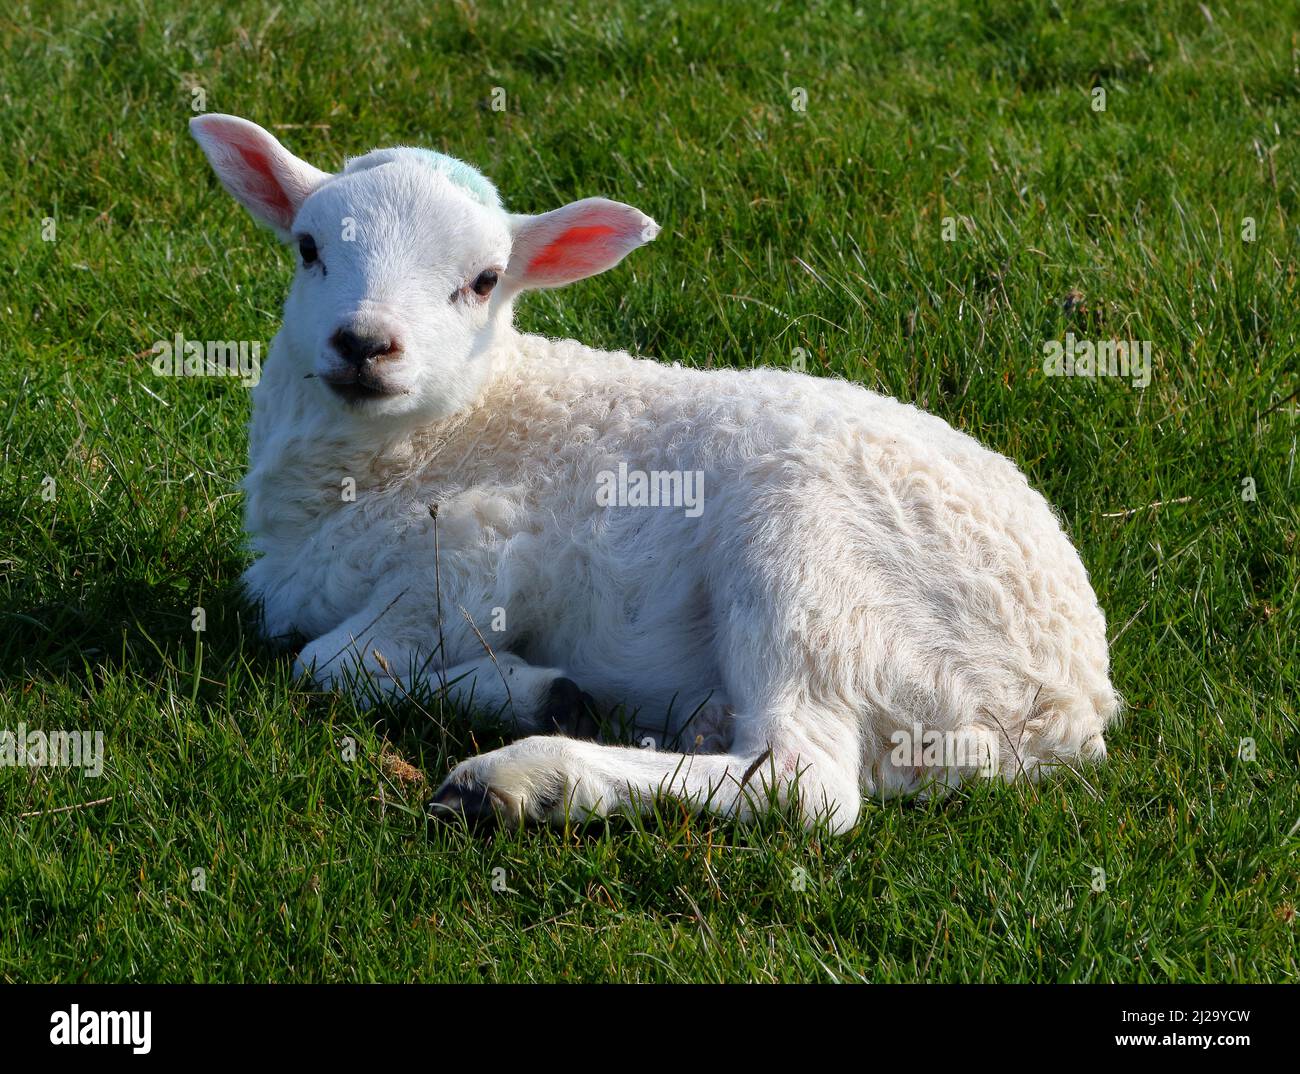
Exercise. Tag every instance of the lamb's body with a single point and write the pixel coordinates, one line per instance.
(859, 567)
(858, 577)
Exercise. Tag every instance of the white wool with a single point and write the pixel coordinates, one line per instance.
(858, 570)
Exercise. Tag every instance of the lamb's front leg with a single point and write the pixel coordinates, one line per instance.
(362, 659)
(551, 779)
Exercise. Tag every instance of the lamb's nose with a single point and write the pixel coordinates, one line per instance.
(357, 348)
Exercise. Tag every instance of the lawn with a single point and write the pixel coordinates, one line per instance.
(917, 196)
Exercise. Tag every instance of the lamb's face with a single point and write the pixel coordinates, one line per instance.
(395, 301)
(407, 266)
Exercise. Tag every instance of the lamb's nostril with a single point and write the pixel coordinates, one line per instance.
(356, 348)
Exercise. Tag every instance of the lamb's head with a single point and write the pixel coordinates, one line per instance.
(408, 265)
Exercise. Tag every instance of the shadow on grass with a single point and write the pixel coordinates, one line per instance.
(119, 621)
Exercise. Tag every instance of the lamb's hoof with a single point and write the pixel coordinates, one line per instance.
(570, 710)
(475, 805)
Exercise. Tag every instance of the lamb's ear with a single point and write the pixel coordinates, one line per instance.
(263, 176)
(579, 240)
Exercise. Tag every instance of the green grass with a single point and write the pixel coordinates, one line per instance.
(820, 230)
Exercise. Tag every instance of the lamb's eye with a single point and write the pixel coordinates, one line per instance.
(307, 247)
(484, 282)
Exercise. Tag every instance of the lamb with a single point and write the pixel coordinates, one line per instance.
(861, 588)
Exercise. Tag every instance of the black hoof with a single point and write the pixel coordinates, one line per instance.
(474, 805)
(570, 711)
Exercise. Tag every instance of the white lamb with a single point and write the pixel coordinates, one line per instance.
(859, 586)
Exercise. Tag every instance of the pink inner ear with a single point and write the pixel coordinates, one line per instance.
(269, 190)
(570, 248)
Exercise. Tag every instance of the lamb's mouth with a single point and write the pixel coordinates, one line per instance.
(358, 389)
